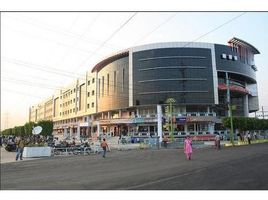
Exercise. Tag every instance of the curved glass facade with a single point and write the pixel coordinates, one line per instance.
(184, 74)
(112, 86)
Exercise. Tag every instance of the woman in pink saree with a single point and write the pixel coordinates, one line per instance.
(188, 147)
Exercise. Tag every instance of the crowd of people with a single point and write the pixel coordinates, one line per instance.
(17, 143)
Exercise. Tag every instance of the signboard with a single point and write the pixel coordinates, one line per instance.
(181, 120)
(138, 120)
(84, 124)
(233, 88)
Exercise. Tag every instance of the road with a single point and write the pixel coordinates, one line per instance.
(232, 168)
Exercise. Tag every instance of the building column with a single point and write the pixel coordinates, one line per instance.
(65, 134)
(211, 127)
(71, 132)
(78, 132)
(246, 105)
(98, 128)
(159, 122)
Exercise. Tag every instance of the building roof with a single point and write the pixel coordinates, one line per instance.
(110, 59)
(243, 43)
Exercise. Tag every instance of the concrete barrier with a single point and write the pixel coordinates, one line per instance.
(30, 152)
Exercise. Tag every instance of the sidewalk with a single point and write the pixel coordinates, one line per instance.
(7, 157)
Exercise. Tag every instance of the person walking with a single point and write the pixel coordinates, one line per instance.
(218, 142)
(165, 141)
(21, 143)
(188, 147)
(104, 146)
(249, 138)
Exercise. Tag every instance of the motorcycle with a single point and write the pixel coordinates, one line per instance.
(11, 147)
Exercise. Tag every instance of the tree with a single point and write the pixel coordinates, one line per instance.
(28, 127)
(22, 130)
(47, 127)
(16, 131)
(246, 123)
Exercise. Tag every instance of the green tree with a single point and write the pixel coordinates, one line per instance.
(47, 127)
(246, 123)
(16, 131)
(22, 130)
(28, 127)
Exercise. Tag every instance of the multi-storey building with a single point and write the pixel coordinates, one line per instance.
(42, 111)
(121, 93)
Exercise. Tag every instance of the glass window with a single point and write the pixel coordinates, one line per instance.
(108, 82)
(102, 86)
(88, 82)
(99, 88)
(114, 81)
(88, 94)
(123, 80)
(190, 127)
(92, 104)
(93, 80)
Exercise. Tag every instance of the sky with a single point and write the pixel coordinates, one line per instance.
(43, 52)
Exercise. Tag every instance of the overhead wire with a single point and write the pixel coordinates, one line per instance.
(48, 27)
(109, 38)
(74, 44)
(212, 30)
(155, 29)
(216, 28)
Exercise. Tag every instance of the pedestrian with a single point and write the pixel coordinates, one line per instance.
(217, 142)
(255, 135)
(188, 147)
(249, 138)
(104, 146)
(21, 143)
(165, 141)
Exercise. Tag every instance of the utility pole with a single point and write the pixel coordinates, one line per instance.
(229, 108)
(262, 112)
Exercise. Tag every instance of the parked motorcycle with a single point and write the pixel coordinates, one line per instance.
(11, 147)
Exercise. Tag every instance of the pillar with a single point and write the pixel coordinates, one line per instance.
(65, 134)
(159, 122)
(78, 133)
(98, 128)
(246, 105)
(211, 127)
(71, 132)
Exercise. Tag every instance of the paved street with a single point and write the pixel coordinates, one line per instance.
(243, 167)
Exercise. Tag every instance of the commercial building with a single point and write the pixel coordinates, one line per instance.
(121, 93)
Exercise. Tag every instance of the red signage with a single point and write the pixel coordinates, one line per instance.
(233, 88)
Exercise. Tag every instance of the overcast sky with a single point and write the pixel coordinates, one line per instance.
(42, 52)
